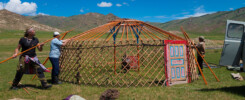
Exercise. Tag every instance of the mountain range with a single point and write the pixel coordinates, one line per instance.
(79, 22)
(210, 23)
(13, 21)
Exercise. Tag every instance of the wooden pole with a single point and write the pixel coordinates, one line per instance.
(46, 60)
(142, 32)
(115, 66)
(91, 30)
(162, 31)
(127, 31)
(23, 87)
(199, 53)
(138, 57)
(113, 33)
(193, 54)
(123, 32)
(31, 48)
(200, 69)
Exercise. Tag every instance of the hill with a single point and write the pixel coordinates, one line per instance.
(13, 21)
(80, 22)
(210, 23)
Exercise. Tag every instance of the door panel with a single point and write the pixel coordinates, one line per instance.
(232, 49)
(176, 63)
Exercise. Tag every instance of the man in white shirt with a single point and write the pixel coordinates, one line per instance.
(54, 56)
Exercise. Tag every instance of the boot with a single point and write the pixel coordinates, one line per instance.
(14, 88)
(52, 79)
(55, 80)
(45, 85)
(16, 80)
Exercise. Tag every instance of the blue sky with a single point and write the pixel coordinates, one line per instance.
(145, 10)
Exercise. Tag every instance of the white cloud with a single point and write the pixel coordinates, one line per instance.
(81, 10)
(231, 8)
(185, 13)
(21, 8)
(147, 17)
(119, 5)
(104, 4)
(200, 11)
(125, 3)
(160, 17)
(1, 6)
(43, 14)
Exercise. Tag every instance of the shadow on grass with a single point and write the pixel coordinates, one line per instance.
(238, 90)
(49, 81)
(30, 86)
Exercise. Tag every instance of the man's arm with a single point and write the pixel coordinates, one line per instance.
(64, 42)
(16, 51)
(40, 47)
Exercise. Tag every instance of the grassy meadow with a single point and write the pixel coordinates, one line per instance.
(226, 89)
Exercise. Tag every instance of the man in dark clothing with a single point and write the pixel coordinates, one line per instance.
(25, 66)
(201, 48)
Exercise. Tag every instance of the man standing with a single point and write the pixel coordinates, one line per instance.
(54, 56)
(201, 48)
(25, 65)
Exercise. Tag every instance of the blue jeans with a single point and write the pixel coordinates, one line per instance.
(55, 66)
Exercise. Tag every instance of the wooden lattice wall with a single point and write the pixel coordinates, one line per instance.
(94, 63)
(120, 53)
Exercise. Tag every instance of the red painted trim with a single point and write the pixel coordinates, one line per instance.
(165, 62)
(165, 57)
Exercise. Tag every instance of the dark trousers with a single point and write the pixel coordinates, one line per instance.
(55, 66)
(21, 68)
(200, 61)
(19, 75)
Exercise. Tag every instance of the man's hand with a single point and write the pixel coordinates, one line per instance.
(41, 44)
(66, 40)
(40, 47)
(14, 55)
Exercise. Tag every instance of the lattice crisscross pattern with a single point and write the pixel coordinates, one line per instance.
(121, 53)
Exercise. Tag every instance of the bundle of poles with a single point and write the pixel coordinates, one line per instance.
(191, 44)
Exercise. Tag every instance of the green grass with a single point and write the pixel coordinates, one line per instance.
(210, 36)
(226, 89)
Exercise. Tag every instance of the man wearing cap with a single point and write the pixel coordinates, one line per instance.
(54, 56)
(201, 48)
